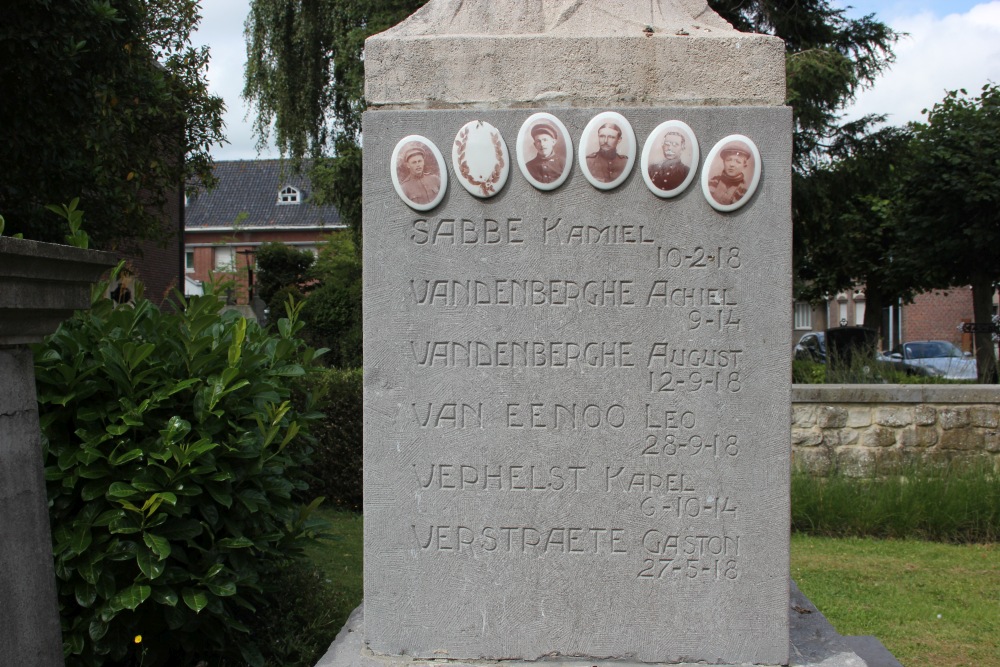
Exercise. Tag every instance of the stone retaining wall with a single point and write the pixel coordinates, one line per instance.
(857, 427)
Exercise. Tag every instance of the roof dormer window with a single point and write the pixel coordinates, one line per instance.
(289, 195)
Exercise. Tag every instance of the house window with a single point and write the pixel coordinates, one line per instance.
(289, 195)
(803, 315)
(224, 258)
(189, 261)
(859, 312)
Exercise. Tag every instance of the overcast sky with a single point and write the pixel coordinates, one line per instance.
(951, 44)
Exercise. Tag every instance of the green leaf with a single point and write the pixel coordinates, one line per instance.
(225, 589)
(150, 565)
(159, 545)
(97, 630)
(132, 597)
(236, 543)
(195, 600)
(130, 455)
(165, 596)
(121, 490)
(73, 644)
(84, 593)
(236, 346)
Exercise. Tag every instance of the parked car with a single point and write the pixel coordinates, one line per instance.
(812, 347)
(936, 358)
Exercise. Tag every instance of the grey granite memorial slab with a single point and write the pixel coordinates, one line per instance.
(577, 407)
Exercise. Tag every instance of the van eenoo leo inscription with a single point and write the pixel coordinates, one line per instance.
(571, 445)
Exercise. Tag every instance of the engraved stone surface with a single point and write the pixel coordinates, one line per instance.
(577, 408)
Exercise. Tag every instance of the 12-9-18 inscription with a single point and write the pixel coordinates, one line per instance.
(568, 394)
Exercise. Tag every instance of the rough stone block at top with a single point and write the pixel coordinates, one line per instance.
(580, 53)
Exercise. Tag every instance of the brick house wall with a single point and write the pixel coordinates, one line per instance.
(939, 315)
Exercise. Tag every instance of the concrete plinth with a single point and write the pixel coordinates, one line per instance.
(30, 632)
(40, 285)
(813, 642)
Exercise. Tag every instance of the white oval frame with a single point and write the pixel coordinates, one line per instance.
(524, 135)
(591, 129)
(706, 169)
(692, 142)
(442, 171)
(478, 190)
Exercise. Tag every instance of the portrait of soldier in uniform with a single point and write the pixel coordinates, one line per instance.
(605, 164)
(730, 184)
(669, 173)
(550, 153)
(419, 180)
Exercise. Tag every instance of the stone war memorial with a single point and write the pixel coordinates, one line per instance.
(577, 266)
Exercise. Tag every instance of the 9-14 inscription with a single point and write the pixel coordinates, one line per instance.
(665, 496)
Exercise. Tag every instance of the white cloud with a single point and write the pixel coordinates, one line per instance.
(940, 54)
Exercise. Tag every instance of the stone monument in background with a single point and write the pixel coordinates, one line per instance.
(577, 261)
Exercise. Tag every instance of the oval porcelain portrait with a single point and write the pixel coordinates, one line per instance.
(731, 173)
(479, 156)
(670, 159)
(418, 172)
(607, 150)
(544, 151)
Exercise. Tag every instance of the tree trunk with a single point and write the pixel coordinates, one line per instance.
(873, 311)
(982, 308)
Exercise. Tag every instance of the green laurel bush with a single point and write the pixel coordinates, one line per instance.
(173, 450)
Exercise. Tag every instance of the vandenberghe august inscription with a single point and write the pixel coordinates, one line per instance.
(571, 412)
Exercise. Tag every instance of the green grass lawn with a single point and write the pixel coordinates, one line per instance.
(341, 560)
(931, 604)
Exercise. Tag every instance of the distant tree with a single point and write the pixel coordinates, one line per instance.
(854, 235)
(829, 58)
(951, 199)
(332, 312)
(105, 101)
(305, 79)
(282, 271)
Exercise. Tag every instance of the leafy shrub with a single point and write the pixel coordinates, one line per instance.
(337, 460)
(172, 455)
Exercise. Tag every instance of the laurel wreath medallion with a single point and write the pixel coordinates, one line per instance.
(488, 186)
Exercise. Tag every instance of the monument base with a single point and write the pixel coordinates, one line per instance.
(813, 642)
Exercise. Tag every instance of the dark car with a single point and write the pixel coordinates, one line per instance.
(812, 347)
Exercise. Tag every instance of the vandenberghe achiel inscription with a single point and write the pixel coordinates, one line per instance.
(568, 416)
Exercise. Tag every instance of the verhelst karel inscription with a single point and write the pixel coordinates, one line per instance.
(576, 437)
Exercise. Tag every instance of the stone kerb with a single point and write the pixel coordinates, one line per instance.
(43, 284)
(40, 285)
(854, 428)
